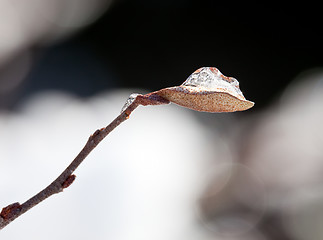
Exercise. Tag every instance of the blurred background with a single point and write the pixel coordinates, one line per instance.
(68, 66)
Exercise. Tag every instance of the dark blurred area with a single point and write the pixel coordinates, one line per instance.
(155, 44)
(270, 185)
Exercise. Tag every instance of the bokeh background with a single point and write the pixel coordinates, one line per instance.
(66, 69)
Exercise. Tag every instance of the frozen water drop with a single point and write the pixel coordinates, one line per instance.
(203, 76)
(192, 80)
(213, 80)
(130, 100)
(234, 82)
(208, 81)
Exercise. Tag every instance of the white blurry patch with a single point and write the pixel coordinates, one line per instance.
(234, 202)
(303, 215)
(288, 141)
(11, 35)
(141, 182)
(53, 19)
(285, 149)
(28, 23)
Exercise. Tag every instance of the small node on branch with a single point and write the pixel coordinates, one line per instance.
(10, 211)
(97, 132)
(68, 181)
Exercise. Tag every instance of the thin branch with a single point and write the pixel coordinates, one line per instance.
(214, 93)
(11, 212)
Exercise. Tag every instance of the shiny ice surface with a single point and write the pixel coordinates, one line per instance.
(130, 100)
(213, 80)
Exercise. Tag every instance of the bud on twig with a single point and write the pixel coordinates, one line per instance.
(208, 90)
(205, 90)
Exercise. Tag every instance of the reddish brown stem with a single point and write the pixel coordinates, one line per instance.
(12, 211)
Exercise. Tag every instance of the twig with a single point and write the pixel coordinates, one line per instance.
(12, 211)
(207, 90)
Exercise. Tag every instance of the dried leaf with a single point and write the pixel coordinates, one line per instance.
(208, 90)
